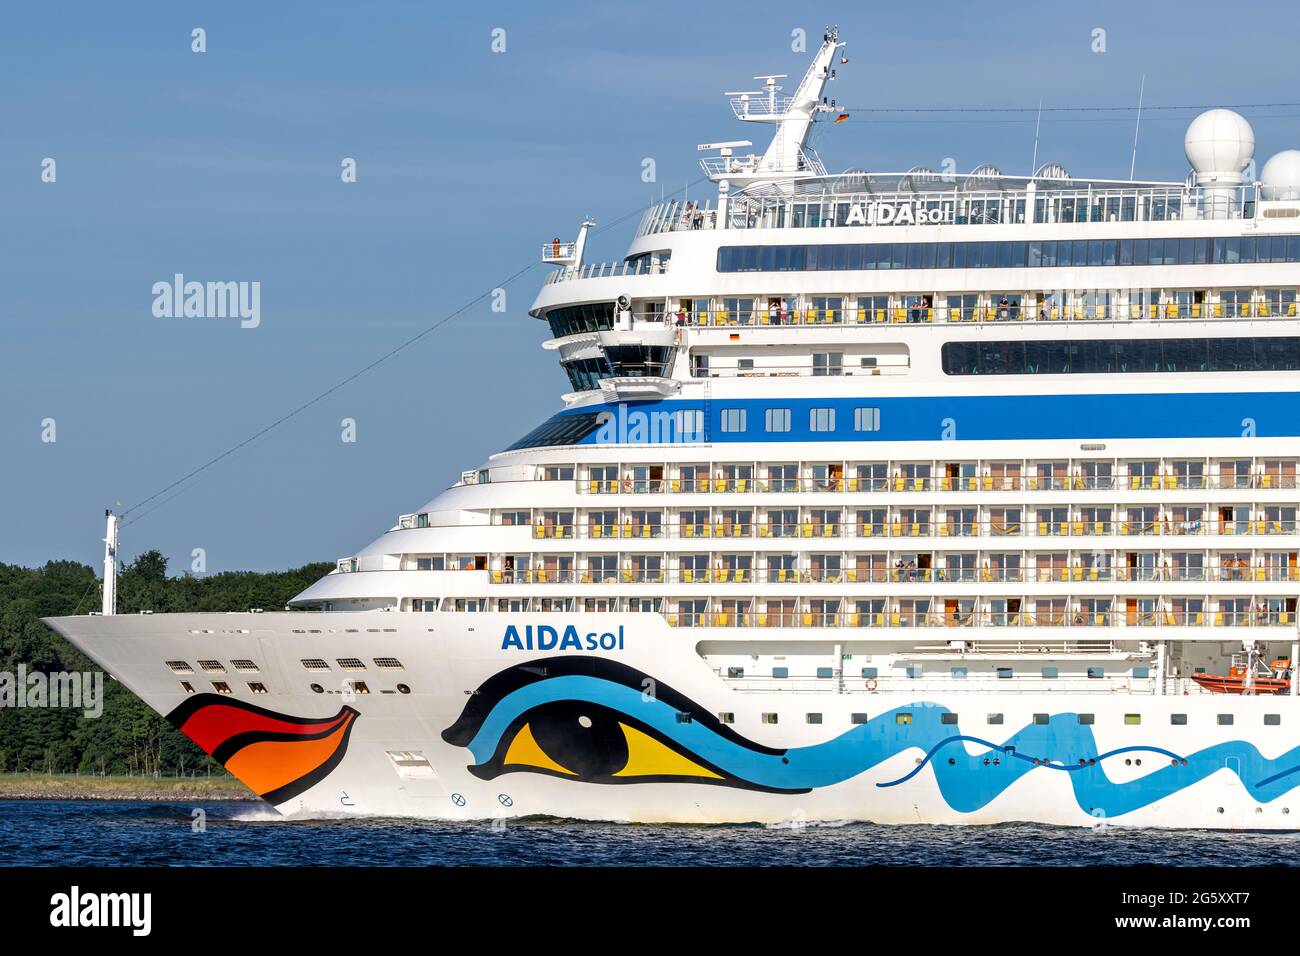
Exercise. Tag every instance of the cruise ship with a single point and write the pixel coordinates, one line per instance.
(921, 497)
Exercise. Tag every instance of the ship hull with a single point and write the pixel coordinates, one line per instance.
(492, 712)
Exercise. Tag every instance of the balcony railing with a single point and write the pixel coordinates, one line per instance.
(900, 483)
(990, 314)
(903, 528)
(977, 619)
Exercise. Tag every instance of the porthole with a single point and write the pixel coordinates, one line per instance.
(317, 689)
(1220, 809)
(403, 689)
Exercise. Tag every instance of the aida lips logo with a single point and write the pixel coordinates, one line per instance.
(277, 756)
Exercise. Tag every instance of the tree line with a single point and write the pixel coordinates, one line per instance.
(129, 737)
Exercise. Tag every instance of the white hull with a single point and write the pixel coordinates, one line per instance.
(446, 656)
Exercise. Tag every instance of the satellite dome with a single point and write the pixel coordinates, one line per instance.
(1280, 177)
(1219, 144)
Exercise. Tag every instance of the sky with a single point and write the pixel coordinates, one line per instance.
(227, 165)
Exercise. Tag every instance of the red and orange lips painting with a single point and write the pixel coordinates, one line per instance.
(277, 756)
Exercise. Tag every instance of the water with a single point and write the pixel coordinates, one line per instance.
(76, 833)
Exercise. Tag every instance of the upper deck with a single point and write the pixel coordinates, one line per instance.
(919, 198)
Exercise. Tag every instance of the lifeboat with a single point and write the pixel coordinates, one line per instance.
(1274, 679)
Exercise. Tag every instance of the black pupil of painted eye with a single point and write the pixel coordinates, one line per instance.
(598, 750)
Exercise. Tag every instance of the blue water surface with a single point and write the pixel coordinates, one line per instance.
(103, 833)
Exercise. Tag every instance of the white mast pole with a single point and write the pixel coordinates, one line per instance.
(110, 564)
(1137, 128)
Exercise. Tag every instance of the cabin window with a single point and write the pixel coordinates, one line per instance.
(769, 718)
(948, 718)
(1084, 719)
(1096, 672)
(1041, 719)
(821, 419)
(1272, 720)
(683, 717)
(857, 718)
(870, 672)
(959, 673)
(1132, 720)
(866, 419)
(780, 672)
(689, 423)
(914, 671)
(1225, 720)
(1141, 672)
(903, 717)
(813, 718)
(1004, 673)
(824, 673)
(1050, 672)
(777, 419)
(995, 718)
(828, 363)
(733, 419)
(1178, 720)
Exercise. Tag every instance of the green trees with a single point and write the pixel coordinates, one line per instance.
(128, 737)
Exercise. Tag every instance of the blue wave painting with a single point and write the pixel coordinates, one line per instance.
(966, 781)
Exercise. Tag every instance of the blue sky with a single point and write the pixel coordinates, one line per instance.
(226, 166)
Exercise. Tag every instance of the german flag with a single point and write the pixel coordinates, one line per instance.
(840, 119)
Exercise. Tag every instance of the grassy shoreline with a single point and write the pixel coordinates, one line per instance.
(68, 786)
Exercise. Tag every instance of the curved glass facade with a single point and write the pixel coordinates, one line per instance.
(562, 429)
(585, 374)
(572, 319)
(1009, 255)
(1064, 356)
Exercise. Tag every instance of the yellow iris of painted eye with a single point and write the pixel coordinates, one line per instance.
(525, 751)
(647, 757)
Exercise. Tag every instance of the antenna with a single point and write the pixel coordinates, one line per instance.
(1137, 127)
(1033, 163)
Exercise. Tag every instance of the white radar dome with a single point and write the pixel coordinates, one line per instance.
(1280, 177)
(1219, 144)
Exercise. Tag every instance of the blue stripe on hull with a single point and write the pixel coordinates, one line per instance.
(995, 417)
